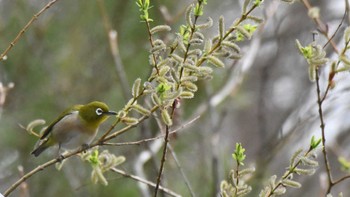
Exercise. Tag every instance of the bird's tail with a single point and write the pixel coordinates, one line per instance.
(40, 147)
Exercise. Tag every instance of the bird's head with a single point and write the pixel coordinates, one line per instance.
(95, 113)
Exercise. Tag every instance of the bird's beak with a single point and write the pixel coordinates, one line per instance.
(110, 113)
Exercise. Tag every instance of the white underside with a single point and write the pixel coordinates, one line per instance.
(71, 133)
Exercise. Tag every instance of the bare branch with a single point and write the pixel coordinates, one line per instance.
(139, 179)
(20, 34)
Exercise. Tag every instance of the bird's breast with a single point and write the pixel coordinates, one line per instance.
(71, 132)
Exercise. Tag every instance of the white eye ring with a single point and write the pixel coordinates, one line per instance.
(99, 111)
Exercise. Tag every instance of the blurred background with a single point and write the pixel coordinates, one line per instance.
(265, 100)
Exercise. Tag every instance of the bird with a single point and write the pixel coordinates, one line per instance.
(76, 127)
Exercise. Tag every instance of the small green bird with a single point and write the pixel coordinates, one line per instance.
(75, 127)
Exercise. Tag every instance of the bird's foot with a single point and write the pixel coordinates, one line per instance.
(60, 158)
(84, 147)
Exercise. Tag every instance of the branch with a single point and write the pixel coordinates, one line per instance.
(341, 179)
(183, 174)
(321, 26)
(70, 154)
(31, 173)
(139, 179)
(153, 138)
(322, 126)
(166, 140)
(20, 34)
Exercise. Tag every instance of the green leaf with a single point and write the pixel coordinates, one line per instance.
(238, 154)
(162, 87)
(345, 164)
(305, 51)
(198, 10)
(315, 142)
(258, 2)
(93, 158)
(245, 31)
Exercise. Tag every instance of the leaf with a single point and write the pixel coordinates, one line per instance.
(245, 5)
(312, 72)
(291, 183)
(164, 70)
(272, 181)
(243, 32)
(345, 60)
(232, 45)
(186, 95)
(307, 172)
(294, 157)
(255, 19)
(314, 142)
(207, 46)
(141, 109)
(238, 154)
(189, 86)
(166, 117)
(189, 12)
(177, 58)
(156, 100)
(221, 27)
(159, 28)
(215, 61)
(129, 120)
(345, 164)
(207, 24)
(347, 34)
(246, 171)
(136, 88)
(309, 162)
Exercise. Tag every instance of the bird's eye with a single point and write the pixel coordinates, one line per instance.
(99, 111)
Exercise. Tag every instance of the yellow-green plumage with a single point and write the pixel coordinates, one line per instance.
(75, 127)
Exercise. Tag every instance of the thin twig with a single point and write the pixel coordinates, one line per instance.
(321, 26)
(31, 173)
(336, 31)
(166, 139)
(172, 152)
(228, 32)
(150, 38)
(320, 99)
(291, 170)
(141, 180)
(24, 190)
(341, 179)
(121, 131)
(183, 174)
(162, 162)
(20, 34)
(322, 126)
(153, 138)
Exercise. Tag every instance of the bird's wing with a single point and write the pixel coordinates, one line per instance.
(63, 114)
